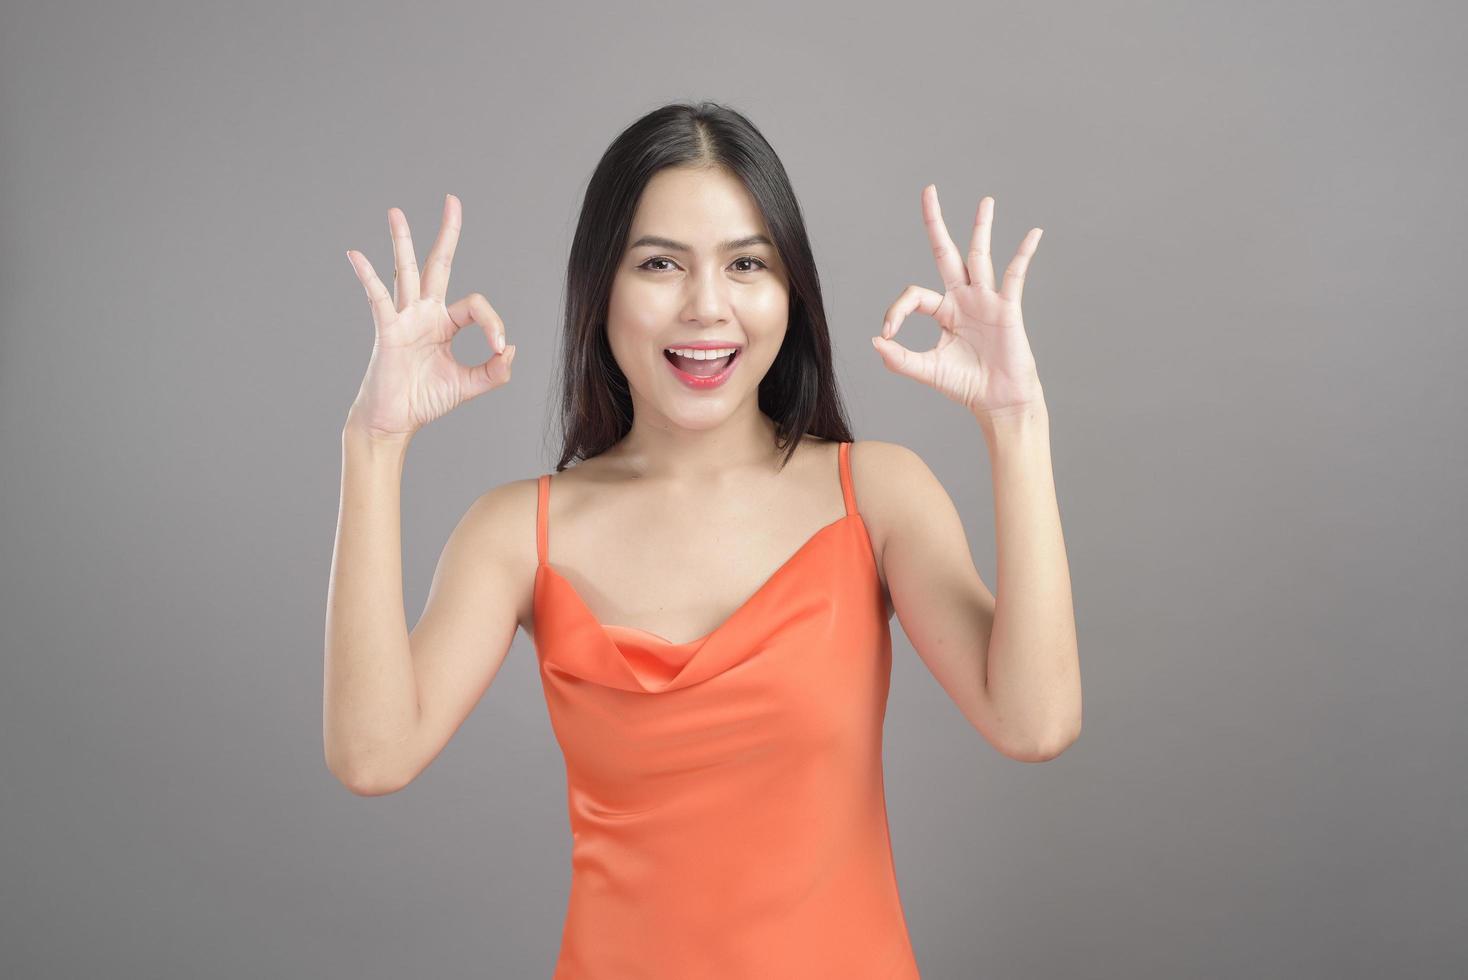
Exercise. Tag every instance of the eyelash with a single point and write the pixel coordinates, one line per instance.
(742, 258)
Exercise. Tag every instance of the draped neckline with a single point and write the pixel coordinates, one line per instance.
(612, 630)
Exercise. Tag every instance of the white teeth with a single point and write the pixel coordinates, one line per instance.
(701, 355)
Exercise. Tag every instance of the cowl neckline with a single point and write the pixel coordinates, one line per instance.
(572, 640)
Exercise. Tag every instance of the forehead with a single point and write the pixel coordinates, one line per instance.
(696, 205)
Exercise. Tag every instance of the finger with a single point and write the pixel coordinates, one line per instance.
(441, 257)
(950, 265)
(980, 265)
(908, 363)
(405, 263)
(488, 375)
(474, 308)
(918, 298)
(383, 312)
(1014, 276)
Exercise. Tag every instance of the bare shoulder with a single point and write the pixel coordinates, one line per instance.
(881, 471)
(501, 524)
(891, 482)
(497, 511)
(909, 514)
(894, 486)
(480, 586)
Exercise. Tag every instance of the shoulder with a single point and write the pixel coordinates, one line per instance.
(893, 486)
(874, 454)
(881, 469)
(501, 524)
(501, 509)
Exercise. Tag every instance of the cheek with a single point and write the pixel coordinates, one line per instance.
(633, 317)
(769, 296)
(632, 291)
(765, 309)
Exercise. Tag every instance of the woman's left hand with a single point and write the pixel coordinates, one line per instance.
(983, 359)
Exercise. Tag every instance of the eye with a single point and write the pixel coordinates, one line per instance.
(743, 258)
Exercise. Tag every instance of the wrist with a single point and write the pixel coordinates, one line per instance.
(1018, 417)
(357, 433)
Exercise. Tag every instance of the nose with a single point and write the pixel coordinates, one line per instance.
(708, 300)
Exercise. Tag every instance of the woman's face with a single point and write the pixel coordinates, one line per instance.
(697, 270)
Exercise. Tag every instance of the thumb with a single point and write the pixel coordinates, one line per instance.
(490, 374)
(898, 359)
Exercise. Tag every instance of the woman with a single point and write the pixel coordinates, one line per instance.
(709, 589)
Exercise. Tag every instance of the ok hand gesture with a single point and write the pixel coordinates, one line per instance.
(413, 378)
(983, 359)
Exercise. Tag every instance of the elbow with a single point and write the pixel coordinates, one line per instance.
(365, 781)
(1043, 750)
(373, 787)
(369, 784)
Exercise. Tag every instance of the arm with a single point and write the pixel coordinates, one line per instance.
(371, 699)
(988, 654)
(394, 699)
(1011, 663)
(390, 702)
(1033, 669)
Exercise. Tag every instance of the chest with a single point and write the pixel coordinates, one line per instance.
(822, 602)
(676, 567)
(682, 585)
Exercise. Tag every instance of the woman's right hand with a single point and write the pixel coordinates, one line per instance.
(413, 378)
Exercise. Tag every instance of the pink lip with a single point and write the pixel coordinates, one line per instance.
(703, 384)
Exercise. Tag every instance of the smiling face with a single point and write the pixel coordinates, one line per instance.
(698, 271)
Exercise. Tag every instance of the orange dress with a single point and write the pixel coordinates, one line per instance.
(727, 812)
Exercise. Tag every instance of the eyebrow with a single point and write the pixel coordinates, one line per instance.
(657, 241)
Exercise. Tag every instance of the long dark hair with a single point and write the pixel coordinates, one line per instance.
(799, 391)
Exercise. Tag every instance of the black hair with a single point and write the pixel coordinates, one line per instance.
(799, 392)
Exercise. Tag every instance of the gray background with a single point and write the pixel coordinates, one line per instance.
(1248, 317)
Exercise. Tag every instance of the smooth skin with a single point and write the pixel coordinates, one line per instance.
(1021, 686)
(413, 377)
(692, 461)
(374, 694)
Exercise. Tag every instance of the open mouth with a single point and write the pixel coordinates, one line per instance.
(707, 368)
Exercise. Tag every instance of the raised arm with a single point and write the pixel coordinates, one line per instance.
(1010, 660)
(372, 708)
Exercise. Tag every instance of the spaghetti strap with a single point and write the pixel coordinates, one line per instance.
(542, 503)
(847, 492)
(542, 518)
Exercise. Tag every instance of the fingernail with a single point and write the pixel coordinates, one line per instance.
(499, 343)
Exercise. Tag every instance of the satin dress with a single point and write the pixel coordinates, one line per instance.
(726, 804)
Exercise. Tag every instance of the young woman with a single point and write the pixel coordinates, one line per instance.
(709, 589)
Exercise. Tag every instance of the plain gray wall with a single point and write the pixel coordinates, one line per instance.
(1248, 316)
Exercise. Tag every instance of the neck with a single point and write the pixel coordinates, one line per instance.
(662, 450)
